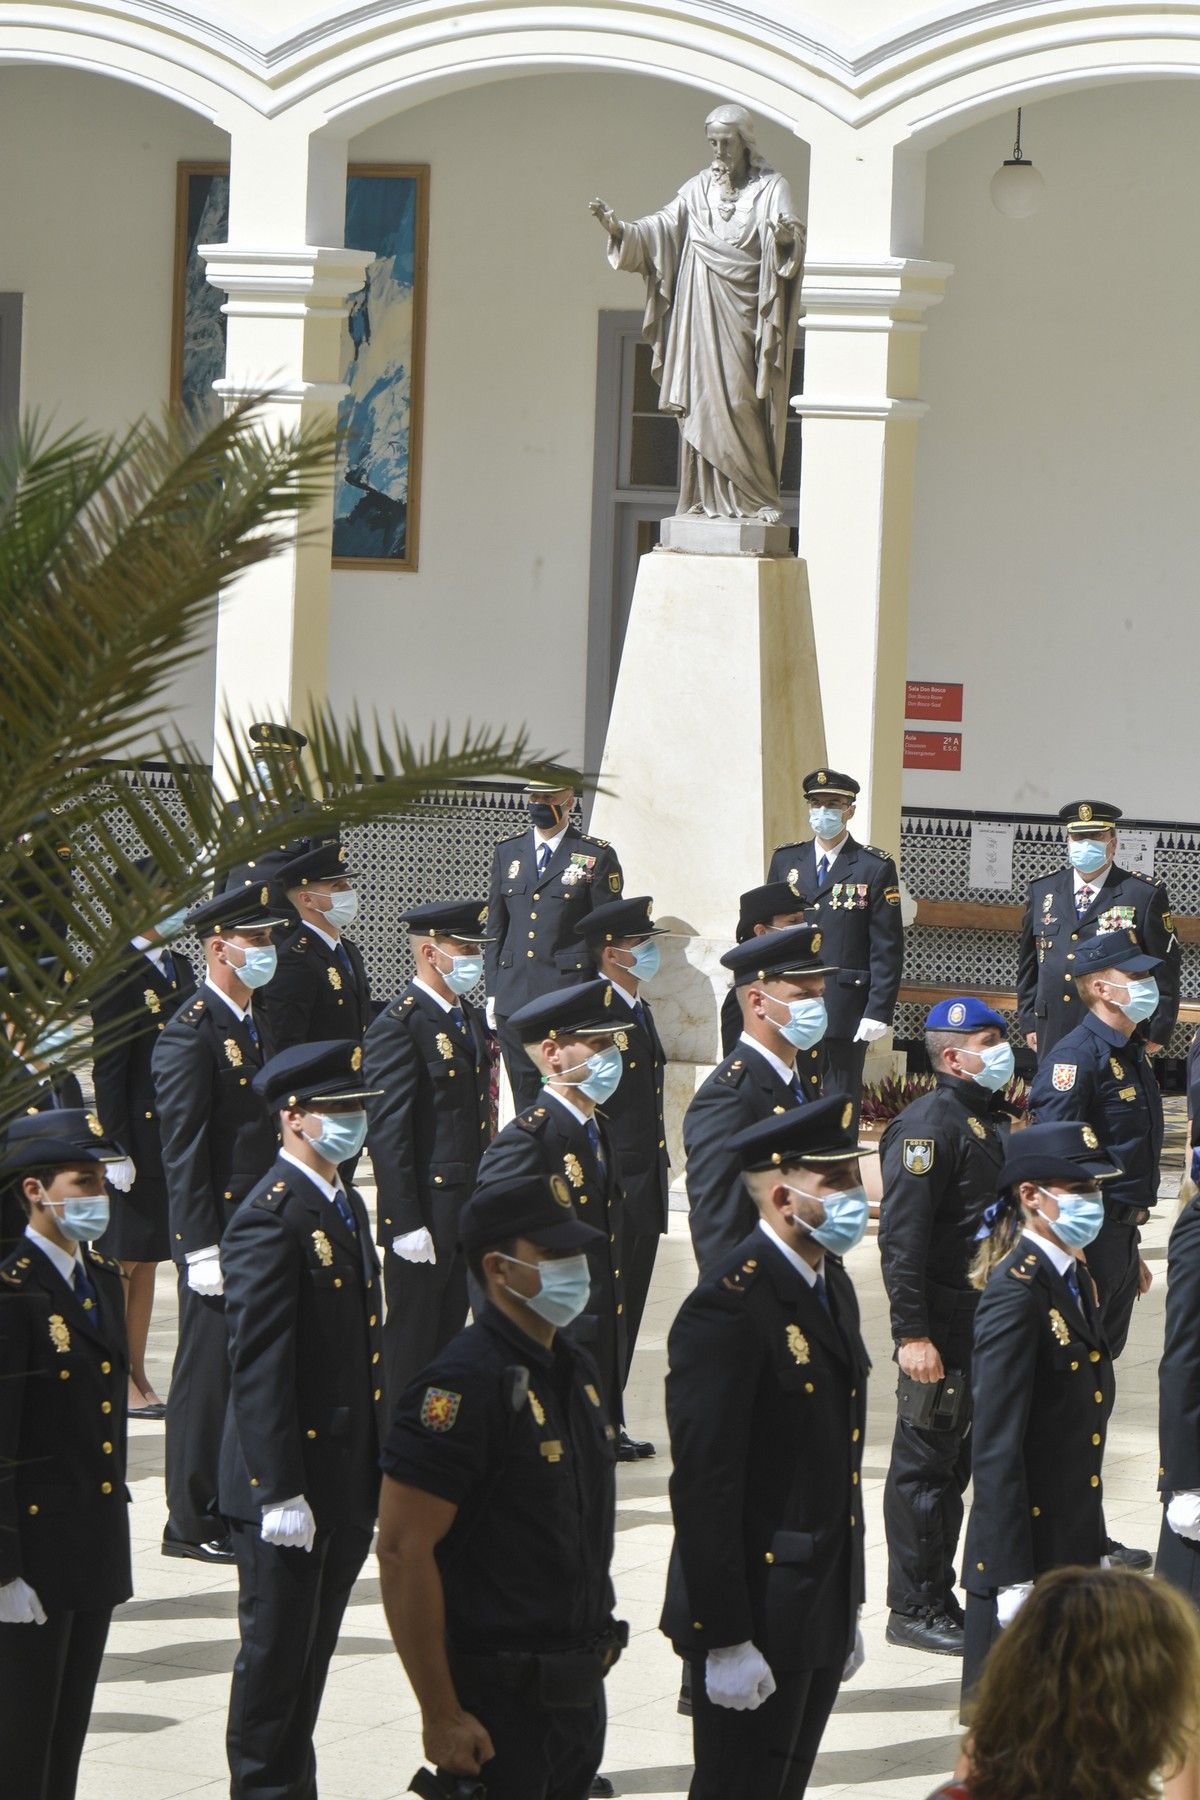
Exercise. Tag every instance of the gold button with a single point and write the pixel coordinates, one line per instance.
(33, 1512)
(64, 1374)
(310, 1434)
(371, 1320)
(537, 896)
(378, 1393)
(229, 1193)
(254, 1481)
(979, 1566)
(337, 1281)
(179, 1237)
(853, 1520)
(1096, 1438)
(106, 1487)
(1074, 937)
(106, 1368)
(696, 1625)
(375, 1357)
(854, 1435)
(529, 953)
(662, 1143)
(107, 1449)
(808, 1387)
(854, 1477)
(533, 934)
(242, 1079)
(620, 1308)
(149, 1115)
(769, 1557)
(854, 1393)
(1036, 1511)
(106, 1406)
(437, 1180)
(616, 1272)
(1093, 1356)
(1066, 997)
(532, 915)
(1074, 1366)
(1095, 1481)
(1098, 1397)
(633, 1065)
(1070, 956)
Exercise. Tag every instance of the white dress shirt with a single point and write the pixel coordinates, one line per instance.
(794, 1257)
(785, 1071)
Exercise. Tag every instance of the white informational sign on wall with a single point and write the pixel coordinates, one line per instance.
(1135, 850)
(991, 855)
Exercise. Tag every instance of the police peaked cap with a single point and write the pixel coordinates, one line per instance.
(67, 1135)
(246, 908)
(267, 736)
(580, 1011)
(759, 905)
(1060, 1150)
(792, 950)
(1084, 816)
(465, 920)
(1113, 950)
(537, 1207)
(321, 859)
(963, 1014)
(617, 919)
(304, 1074)
(821, 1132)
(830, 781)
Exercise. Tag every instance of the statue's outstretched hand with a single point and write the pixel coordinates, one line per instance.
(607, 217)
(786, 232)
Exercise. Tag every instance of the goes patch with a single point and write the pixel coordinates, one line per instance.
(917, 1154)
(439, 1409)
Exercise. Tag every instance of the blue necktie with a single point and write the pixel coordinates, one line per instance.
(342, 959)
(799, 1090)
(822, 1293)
(543, 857)
(458, 1021)
(85, 1292)
(639, 1013)
(168, 967)
(822, 870)
(593, 1138)
(251, 1028)
(1073, 1284)
(345, 1213)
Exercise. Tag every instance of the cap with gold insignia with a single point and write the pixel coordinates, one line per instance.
(791, 951)
(309, 1075)
(963, 1013)
(759, 905)
(568, 779)
(1082, 817)
(1113, 950)
(1059, 1150)
(617, 920)
(464, 920)
(50, 1139)
(821, 1132)
(266, 735)
(537, 1207)
(320, 859)
(829, 781)
(245, 908)
(583, 1011)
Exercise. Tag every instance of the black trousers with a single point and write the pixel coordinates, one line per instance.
(1113, 1260)
(843, 1070)
(48, 1678)
(982, 1630)
(426, 1306)
(767, 1754)
(196, 1402)
(523, 1078)
(542, 1753)
(923, 1494)
(639, 1253)
(290, 1607)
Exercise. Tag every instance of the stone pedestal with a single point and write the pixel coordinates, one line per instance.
(697, 535)
(715, 720)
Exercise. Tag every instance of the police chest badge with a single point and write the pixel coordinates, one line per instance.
(574, 1169)
(797, 1343)
(1118, 1072)
(917, 1155)
(1063, 1077)
(153, 1003)
(356, 1058)
(1059, 1326)
(975, 1126)
(439, 1409)
(334, 977)
(444, 1047)
(621, 1040)
(233, 1052)
(60, 1337)
(323, 1248)
(537, 1409)
(793, 876)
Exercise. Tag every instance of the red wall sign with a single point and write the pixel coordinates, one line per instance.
(933, 750)
(933, 700)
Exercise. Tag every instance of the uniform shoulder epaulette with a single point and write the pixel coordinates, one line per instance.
(884, 855)
(741, 1279)
(193, 1012)
(272, 1198)
(589, 839)
(734, 1074)
(16, 1272)
(1142, 876)
(532, 1120)
(104, 1262)
(403, 1007)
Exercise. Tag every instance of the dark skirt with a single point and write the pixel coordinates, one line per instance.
(982, 1630)
(1178, 1561)
(137, 1225)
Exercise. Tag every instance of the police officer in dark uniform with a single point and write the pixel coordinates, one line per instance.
(427, 1056)
(1178, 1559)
(218, 1141)
(852, 891)
(780, 982)
(128, 1013)
(941, 1157)
(761, 909)
(321, 989)
(64, 1508)
(497, 1514)
(1041, 1377)
(1091, 897)
(543, 882)
(571, 1038)
(767, 1404)
(621, 938)
(300, 1453)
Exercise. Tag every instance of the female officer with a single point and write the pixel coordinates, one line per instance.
(1041, 1379)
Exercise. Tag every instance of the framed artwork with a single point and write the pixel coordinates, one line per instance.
(376, 504)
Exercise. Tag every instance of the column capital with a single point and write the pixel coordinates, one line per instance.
(890, 294)
(291, 282)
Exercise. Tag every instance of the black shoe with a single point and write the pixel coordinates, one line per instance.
(154, 1410)
(954, 1611)
(633, 1449)
(932, 1631)
(215, 1550)
(1124, 1558)
(602, 1785)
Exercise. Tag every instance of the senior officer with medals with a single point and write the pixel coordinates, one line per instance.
(852, 891)
(321, 989)
(218, 1141)
(775, 1065)
(940, 1158)
(427, 1057)
(1091, 897)
(299, 1479)
(64, 1508)
(760, 909)
(570, 1039)
(1042, 1379)
(543, 883)
(766, 1404)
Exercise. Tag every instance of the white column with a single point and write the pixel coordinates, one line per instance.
(287, 297)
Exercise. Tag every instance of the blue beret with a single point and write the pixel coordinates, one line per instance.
(1114, 950)
(963, 1013)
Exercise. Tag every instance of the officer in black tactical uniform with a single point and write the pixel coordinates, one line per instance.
(941, 1157)
(543, 883)
(761, 909)
(427, 1056)
(1090, 897)
(852, 891)
(218, 1141)
(776, 1064)
(767, 1404)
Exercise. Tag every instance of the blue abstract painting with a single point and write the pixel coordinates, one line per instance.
(375, 507)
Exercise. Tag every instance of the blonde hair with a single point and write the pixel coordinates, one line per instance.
(992, 1250)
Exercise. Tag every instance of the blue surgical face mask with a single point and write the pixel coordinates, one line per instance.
(998, 1066)
(342, 1135)
(806, 1024)
(82, 1217)
(604, 1074)
(826, 822)
(342, 909)
(1087, 854)
(51, 1041)
(566, 1285)
(846, 1216)
(1080, 1217)
(647, 960)
(259, 965)
(1141, 999)
(173, 923)
(464, 973)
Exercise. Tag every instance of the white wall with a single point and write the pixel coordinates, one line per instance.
(493, 625)
(87, 231)
(1057, 531)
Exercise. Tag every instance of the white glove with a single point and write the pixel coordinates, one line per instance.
(1183, 1514)
(1010, 1600)
(869, 1030)
(291, 1523)
(858, 1654)
(19, 1605)
(489, 1012)
(204, 1271)
(121, 1174)
(415, 1246)
(738, 1677)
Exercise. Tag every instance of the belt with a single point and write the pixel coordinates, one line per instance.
(556, 1677)
(1119, 1214)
